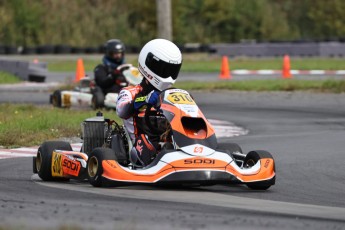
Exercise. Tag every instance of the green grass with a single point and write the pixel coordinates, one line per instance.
(29, 125)
(329, 86)
(6, 78)
(70, 66)
(214, 64)
(210, 63)
(197, 62)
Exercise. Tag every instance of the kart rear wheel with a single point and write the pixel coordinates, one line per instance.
(56, 99)
(97, 101)
(43, 161)
(94, 165)
(250, 160)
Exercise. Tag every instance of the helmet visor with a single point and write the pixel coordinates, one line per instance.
(162, 68)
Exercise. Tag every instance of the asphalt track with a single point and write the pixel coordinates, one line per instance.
(305, 132)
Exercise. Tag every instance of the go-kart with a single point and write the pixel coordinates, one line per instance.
(89, 95)
(190, 157)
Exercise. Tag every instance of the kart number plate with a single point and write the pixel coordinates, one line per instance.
(56, 168)
(67, 100)
(180, 98)
(135, 72)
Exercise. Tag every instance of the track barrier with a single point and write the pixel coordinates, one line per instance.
(24, 70)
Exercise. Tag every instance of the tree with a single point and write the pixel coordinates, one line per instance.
(92, 22)
(327, 19)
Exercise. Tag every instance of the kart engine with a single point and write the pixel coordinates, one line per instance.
(100, 132)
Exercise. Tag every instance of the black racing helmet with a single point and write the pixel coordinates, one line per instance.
(113, 49)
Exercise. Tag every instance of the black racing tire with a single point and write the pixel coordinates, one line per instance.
(94, 165)
(56, 99)
(97, 101)
(232, 148)
(250, 160)
(43, 162)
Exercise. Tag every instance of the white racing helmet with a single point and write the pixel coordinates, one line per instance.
(160, 61)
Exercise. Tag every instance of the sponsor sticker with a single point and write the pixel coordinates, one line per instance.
(140, 99)
(143, 72)
(70, 166)
(56, 165)
(66, 100)
(124, 95)
(198, 149)
(110, 162)
(200, 161)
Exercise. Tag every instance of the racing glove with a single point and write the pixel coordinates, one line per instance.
(139, 101)
(118, 71)
(152, 98)
(115, 74)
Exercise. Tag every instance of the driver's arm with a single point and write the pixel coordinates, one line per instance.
(102, 77)
(124, 104)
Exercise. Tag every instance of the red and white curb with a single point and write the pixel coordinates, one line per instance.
(28, 151)
(227, 129)
(293, 72)
(222, 129)
(29, 86)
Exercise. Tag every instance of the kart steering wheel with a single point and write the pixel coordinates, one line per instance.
(148, 122)
(148, 111)
(123, 67)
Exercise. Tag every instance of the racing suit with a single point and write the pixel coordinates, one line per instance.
(146, 141)
(108, 78)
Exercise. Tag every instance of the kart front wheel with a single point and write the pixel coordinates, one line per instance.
(56, 100)
(43, 160)
(97, 101)
(250, 160)
(234, 150)
(94, 165)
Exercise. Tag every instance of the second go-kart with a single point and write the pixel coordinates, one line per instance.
(89, 95)
(191, 157)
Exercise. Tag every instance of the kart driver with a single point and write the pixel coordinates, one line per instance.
(159, 62)
(107, 77)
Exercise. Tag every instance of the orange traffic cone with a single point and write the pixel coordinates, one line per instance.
(225, 70)
(80, 73)
(286, 67)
